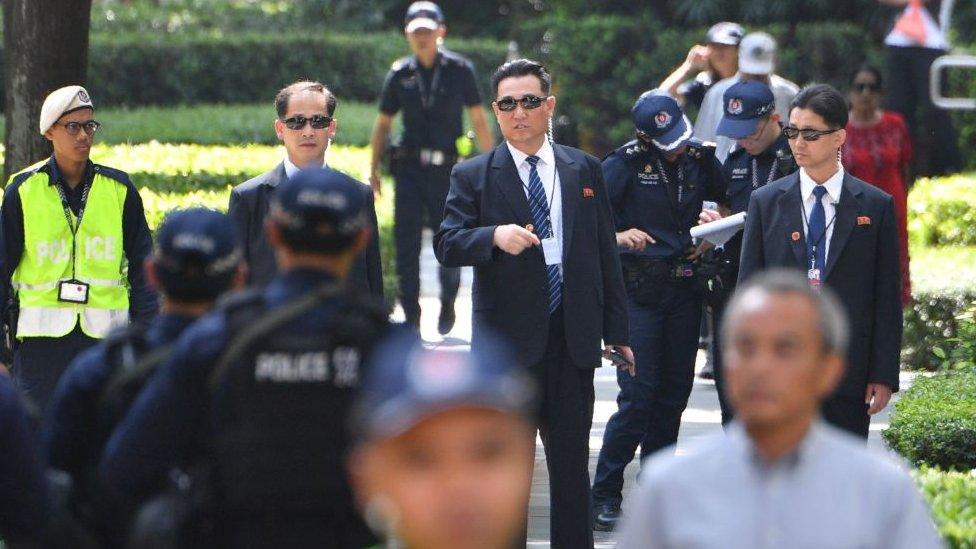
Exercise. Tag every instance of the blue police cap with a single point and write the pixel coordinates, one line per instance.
(745, 104)
(196, 253)
(658, 115)
(423, 15)
(319, 209)
(407, 383)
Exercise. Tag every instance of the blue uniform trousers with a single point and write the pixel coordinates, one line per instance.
(664, 338)
(39, 363)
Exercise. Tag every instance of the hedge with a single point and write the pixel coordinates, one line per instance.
(943, 211)
(952, 499)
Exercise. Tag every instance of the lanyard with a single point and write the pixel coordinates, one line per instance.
(667, 180)
(755, 172)
(548, 201)
(428, 97)
(813, 246)
(74, 222)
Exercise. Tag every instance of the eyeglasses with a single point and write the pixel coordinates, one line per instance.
(529, 102)
(792, 132)
(866, 87)
(318, 122)
(73, 128)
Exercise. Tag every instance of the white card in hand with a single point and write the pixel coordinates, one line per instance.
(552, 249)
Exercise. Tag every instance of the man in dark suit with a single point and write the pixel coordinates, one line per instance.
(305, 125)
(534, 220)
(841, 232)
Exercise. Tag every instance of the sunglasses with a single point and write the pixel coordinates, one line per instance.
(318, 122)
(529, 102)
(73, 128)
(792, 132)
(866, 87)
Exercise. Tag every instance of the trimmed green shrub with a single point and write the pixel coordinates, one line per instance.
(952, 499)
(934, 423)
(941, 211)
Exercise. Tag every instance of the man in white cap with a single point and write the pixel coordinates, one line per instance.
(757, 61)
(73, 238)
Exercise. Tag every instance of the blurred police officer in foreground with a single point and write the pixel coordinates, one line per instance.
(259, 390)
(446, 446)
(305, 125)
(716, 60)
(657, 184)
(761, 154)
(432, 88)
(74, 240)
(780, 476)
(196, 260)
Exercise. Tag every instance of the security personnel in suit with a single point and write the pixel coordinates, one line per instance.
(431, 88)
(260, 389)
(305, 125)
(839, 231)
(761, 155)
(534, 220)
(74, 240)
(196, 260)
(657, 184)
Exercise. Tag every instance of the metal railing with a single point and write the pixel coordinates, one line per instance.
(955, 61)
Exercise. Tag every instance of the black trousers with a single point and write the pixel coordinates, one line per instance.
(40, 361)
(847, 413)
(718, 360)
(565, 418)
(907, 82)
(420, 196)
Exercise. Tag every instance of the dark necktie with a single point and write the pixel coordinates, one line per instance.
(539, 205)
(817, 229)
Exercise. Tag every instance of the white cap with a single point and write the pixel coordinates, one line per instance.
(61, 102)
(757, 54)
(422, 23)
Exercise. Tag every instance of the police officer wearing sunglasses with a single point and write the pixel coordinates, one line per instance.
(432, 88)
(657, 184)
(74, 240)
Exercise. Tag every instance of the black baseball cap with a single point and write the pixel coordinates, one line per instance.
(319, 210)
(196, 254)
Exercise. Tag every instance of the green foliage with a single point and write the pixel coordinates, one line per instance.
(941, 211)
(952, 498)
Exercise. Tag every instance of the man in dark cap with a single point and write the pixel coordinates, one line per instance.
(716, 60)
(468, 418)
(258, 391)
(657, 184)
(196, 260)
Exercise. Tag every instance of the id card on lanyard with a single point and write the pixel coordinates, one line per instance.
(73, 290)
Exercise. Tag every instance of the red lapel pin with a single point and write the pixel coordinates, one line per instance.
(795, 236)
(587, 192)
(864, 220)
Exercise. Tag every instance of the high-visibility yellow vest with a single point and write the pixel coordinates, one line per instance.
(50, 248)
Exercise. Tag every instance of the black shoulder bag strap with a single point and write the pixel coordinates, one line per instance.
(138, 373)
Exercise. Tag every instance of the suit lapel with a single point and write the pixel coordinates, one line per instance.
(275, 177)
(791, 203)
(506, 177)
(569, 186)
(844, 221)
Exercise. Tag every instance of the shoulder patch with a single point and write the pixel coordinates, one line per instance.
(399, 64)
(631, 149)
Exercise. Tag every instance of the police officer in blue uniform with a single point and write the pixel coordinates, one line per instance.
(657, 184)
(432, 88)
(196, 259)
(761, 155)
(259, 390)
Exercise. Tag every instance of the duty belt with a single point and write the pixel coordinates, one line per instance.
(426, 157)
(674, 269)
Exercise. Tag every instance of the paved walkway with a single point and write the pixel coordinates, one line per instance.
(700, 418)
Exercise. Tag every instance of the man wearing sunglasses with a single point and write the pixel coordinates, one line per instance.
(533, 218)
(841, 232)
(760, 155)
(74, 240)
(305, 125)
(432, 89)
(657, 184)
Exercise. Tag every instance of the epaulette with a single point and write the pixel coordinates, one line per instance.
(698, 149)
(631, 149)
(399, 64)
(118, 175)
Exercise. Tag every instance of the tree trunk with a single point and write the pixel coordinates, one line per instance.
(45, 47)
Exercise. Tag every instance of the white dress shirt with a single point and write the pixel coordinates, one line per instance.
(550, 183)
(291, 169)
(830, 200)
(830, 492)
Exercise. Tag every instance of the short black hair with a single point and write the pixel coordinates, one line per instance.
(825, 101)
(281, 100)
(522, 67)
(867, 68)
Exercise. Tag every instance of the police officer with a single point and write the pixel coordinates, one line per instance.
(432, 88)
(196, 259)
(259, 390)
(657, 184)
(760, 155)
(74, 240)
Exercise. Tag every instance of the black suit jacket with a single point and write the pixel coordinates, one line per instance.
(509, 296)
(249, 204)
(862, 268)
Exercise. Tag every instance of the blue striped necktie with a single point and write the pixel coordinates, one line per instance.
(539, 206)
(817, 229)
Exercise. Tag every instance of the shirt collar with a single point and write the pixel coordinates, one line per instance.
(55, 174)
(545, 153)
(291, 169)
(803, 453)
(833, 185)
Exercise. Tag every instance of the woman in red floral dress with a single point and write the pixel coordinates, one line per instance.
(878, 150)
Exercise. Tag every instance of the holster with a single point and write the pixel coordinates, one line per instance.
(717, 276)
